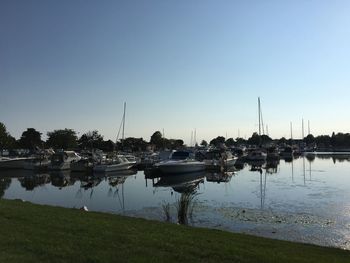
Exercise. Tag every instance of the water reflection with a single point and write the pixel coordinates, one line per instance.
(181, 183)
(4, 184)
(32, 181)
(295, 198)
(61, 179)
(223, 177)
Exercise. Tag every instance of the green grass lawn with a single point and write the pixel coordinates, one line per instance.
(35, 233)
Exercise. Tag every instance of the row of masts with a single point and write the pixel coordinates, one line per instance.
(302, 129)
(261, 124)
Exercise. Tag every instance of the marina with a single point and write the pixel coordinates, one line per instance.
(305, 199)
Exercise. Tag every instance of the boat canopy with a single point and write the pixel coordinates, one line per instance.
(180, 155)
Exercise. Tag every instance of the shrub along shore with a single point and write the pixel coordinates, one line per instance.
(38, 233)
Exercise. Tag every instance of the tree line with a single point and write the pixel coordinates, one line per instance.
(68, 139)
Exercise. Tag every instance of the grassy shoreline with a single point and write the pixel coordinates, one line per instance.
(38, 233)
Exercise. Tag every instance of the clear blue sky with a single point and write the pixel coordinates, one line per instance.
(179, 65)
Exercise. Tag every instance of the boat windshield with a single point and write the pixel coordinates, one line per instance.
(180, 155)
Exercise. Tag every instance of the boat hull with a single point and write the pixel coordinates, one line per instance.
(113, 167)
(181, 167)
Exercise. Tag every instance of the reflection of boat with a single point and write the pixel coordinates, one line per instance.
(182, 182)
(83, 165)
(219, 177)
(287, 152)
(272, 153)
(117, 173)
(256, 163)
(256, 155)
(180, 162)
(63, 160)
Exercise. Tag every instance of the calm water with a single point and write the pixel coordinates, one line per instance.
(306, 200)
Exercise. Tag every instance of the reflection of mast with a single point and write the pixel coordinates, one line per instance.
(310, 169)
(262, 190)
(292, 170)
(122, 200)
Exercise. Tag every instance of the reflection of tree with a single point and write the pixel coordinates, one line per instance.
(61, 179)
(4, 184)
(310, 157)
(219, 177)
(271, 166)
(30, 182)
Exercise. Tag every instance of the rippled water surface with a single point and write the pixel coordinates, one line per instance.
(307, 199)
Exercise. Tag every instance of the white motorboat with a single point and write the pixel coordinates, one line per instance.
(63, 160)
(180, 162)
(14, 163)
(39, 162)
(117, 163)
(218, 160)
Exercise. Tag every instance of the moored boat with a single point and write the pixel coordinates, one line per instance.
(63, 160)
(117, 163)
(180, 162)
(219, 160)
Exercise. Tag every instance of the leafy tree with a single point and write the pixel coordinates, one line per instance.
(265, 138)
(132, 144)
(230, 142)
(91, 139)
(173, 143)
(6, 140)
(30, 139)
(107, 146)
(310, 139)
(323, 140)
(217, 141)
(157, 139)
(282, 141)
(240, 141)
(255, 139)
(204, 143)
(62, 139)
(178, 143)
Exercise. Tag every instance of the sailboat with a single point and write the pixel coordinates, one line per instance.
(117, 162)
(258, 154)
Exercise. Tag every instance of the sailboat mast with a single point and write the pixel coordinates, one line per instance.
(123, 123)
(302, 127)
(259, 116)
